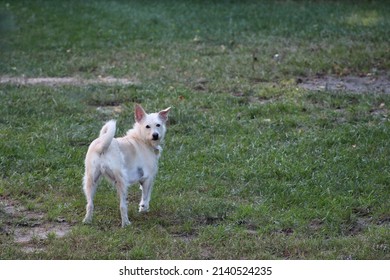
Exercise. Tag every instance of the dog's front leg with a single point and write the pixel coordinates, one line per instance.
(146, 187)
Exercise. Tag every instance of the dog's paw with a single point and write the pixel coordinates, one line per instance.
(126, 223)
(143, 208)
(87, 220)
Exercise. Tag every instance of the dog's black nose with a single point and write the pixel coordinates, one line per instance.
(155, 136)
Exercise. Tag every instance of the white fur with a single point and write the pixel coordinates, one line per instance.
(126, 160)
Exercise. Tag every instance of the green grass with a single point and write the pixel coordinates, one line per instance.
(253, 167)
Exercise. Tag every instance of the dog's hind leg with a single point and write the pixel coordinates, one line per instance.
(90, 185)
(146, 187)
(122, 193)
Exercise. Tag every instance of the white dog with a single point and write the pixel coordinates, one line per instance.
(126, 160)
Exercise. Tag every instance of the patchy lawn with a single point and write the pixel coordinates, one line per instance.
(277, 146)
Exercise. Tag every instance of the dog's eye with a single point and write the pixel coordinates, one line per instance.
(158, 125)
(148, 126)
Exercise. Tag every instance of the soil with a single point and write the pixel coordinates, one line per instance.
(29, 227)
(353, 84)
(74, 81)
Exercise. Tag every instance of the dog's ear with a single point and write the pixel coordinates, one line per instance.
(164, 114)
(139, 113)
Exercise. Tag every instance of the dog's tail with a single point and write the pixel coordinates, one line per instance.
(106, 135)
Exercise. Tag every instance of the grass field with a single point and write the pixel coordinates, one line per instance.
(254, 166)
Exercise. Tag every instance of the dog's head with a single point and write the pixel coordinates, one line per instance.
(151, 127)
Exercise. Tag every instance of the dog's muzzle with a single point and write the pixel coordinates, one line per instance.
(155, 136)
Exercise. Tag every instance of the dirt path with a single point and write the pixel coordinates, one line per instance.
(354, 84)
(74, 81)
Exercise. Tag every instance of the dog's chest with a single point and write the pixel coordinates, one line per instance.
(139, 163)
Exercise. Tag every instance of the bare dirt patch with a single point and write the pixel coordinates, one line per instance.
(110, 110)
(75, 81)
(184, 237)
(29, 227)
(354, 84)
